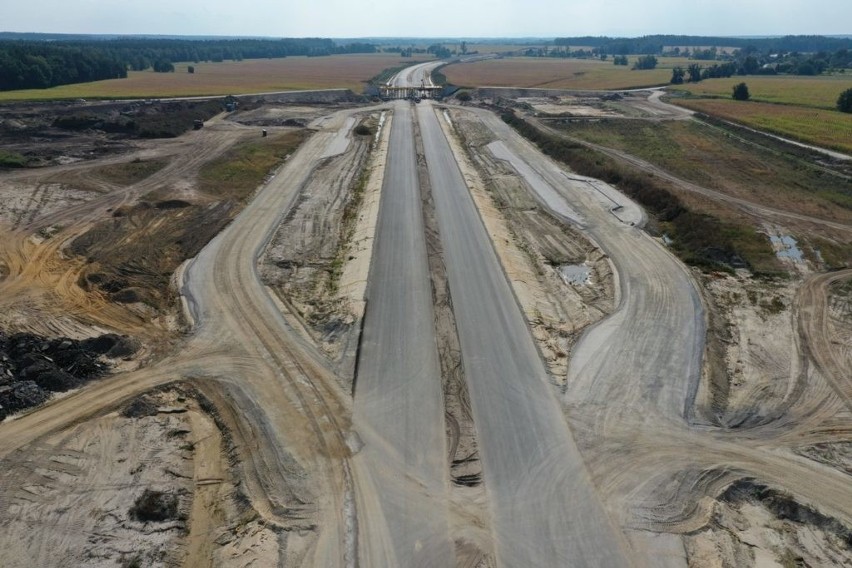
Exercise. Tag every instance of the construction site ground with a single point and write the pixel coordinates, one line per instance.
(711, 408)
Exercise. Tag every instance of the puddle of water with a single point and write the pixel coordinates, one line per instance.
(786, 247)
(575, 274)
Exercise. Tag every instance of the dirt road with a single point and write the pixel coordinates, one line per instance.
(293, 415)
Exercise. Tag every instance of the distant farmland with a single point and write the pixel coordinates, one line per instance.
(830, 129)
(801, 108)
(230, 77)
(554, 73)
(820, 91)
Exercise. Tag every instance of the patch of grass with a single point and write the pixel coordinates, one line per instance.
(438, 77)
(714, 158)
(129, 173)
(383, 76)
(12, 160)
(835, 256)
(241, 170)
(773, 306)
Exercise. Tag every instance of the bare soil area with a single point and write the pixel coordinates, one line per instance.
(753, 525)
(305, 261)
(69, 498)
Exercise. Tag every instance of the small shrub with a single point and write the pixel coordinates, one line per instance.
(463, 96)
(844, 101)
(12, 160)
(363, 130)
(740, 92)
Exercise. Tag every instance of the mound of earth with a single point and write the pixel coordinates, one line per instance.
(32, 367)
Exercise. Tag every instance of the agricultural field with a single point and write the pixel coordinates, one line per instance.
(230, 77)
(820, 91)
(553, 73)
(825, 128)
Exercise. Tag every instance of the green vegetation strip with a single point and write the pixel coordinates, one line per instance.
(698, 239)
(12, 160)
(239, 172)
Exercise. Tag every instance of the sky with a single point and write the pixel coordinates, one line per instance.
(432, 18)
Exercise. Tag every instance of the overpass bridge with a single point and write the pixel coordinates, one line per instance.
(410, 92)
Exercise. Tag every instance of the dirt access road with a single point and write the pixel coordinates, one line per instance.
(292, 414)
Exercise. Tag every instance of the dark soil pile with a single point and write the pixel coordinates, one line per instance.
(32, 367)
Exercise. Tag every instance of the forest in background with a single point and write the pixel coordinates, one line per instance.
(40, 64)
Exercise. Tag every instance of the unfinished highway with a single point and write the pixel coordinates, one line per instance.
(609, 469)
(398, 412)
(545, 509)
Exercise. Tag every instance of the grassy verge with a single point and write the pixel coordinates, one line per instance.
(240, 171)
(383, 76)
(698, 239)
(439, 78)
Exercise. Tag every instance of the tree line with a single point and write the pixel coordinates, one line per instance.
(655, 44)
(31, 64)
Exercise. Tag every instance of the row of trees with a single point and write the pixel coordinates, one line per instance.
(655, 44)
(41, 65)
(696, 72)
(27, 64)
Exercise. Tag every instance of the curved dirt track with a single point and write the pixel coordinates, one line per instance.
(293, 414)
(633, 379)
(831, 354)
